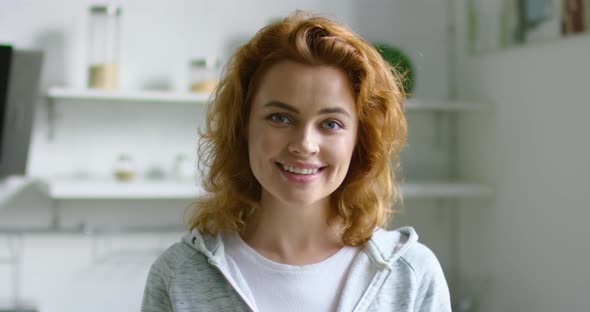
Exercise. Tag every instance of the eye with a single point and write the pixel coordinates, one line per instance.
(279, 118)
(331, 124)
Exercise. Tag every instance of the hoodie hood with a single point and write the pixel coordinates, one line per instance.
(204, 243)
(385, 247)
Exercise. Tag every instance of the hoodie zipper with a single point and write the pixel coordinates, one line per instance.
(243, 298)
(379, 279)
(372, 291)
(200, 247)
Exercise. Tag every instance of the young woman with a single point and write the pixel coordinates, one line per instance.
(300, 150)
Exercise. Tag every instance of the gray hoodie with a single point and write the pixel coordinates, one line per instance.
(396, 273)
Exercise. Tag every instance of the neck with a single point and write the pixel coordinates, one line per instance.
(292, 234)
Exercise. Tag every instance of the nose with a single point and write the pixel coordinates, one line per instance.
(304, 142)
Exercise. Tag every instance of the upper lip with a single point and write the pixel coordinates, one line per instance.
(301, 165)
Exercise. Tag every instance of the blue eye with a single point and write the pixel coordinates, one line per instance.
(332, 125)
(279, 118)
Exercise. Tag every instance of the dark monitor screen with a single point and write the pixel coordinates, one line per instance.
(20, 72)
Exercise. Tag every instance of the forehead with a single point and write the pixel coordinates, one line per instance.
(305, 86)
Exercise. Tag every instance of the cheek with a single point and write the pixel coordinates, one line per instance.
(346, 152)
(263, 142)
(346, 146)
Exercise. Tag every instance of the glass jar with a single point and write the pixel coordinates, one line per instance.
(125, 169)
(103, 47)
(204, 75)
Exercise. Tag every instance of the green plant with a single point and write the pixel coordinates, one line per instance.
(400, 63)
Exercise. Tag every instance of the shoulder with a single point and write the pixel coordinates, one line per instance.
(400, 247)
(174, 259)
(418, 278)
(421, 260)
(432, 292)
(176, 271)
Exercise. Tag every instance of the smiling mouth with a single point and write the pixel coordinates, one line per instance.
(301, 171)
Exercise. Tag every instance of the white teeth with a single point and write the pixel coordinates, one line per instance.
(300, 170)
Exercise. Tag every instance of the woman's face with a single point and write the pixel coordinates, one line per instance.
(302, 132)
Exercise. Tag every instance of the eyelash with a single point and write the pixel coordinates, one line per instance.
(338, 124)
(273, 118)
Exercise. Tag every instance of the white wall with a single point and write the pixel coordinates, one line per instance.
(419, 28)
(59, 272)
(527, 249)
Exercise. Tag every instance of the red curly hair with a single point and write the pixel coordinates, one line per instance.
(369, 192)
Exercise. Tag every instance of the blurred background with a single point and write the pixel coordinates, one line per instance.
(495, 170)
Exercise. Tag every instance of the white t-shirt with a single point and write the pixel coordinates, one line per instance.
(283, 287)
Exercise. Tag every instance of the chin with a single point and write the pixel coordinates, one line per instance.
(293, 196)
(302, 199)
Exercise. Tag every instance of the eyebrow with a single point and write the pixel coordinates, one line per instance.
(327, 110)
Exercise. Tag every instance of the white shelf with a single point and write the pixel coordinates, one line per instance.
(418, 104)
(69, 190)
(59, 93)
(445, 190)
(83, 189)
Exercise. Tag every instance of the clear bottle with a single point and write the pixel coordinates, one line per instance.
(204, 74)
(103, 54)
